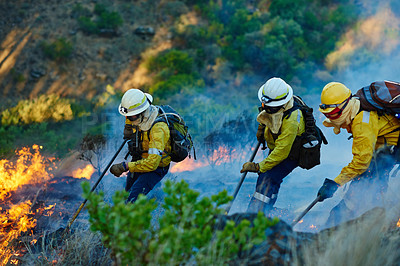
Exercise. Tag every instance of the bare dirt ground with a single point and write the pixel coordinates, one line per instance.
(95, 62)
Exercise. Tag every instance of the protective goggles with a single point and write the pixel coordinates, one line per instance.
(270, 109)
(337, 112)
(266, 99)
(134, 117)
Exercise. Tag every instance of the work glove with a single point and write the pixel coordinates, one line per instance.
(118, 169)
(250, 167)
(128, 132)
(328, 189)
(260, 135)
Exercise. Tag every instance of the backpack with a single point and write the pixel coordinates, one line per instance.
(380, 96)
(306, 148)
(181, 141)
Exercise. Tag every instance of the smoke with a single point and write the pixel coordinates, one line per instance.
(385, 68)
(224, 141)
(207, 112)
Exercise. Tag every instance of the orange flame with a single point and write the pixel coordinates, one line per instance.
(216, 157)
(223, 155)
(398, 223)
(84, 172)
(29, 168)
(187, 165)
(13, 223)
(49, 210)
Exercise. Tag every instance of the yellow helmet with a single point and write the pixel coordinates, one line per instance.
(334, 93)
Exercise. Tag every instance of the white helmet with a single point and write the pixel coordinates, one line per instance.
(275, 92)
(134, 102)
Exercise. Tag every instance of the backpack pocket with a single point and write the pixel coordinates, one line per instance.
(180, 147)
(306, 150)
(309, 155)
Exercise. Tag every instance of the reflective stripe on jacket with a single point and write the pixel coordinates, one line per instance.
(281, 144)
(370, 131)
(157, 149)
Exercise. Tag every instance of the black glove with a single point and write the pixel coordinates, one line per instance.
(128, 132)
(328, 189)
(260, 135)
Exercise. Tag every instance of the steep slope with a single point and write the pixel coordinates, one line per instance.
(96, 60)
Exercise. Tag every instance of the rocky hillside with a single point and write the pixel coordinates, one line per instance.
(107, 57)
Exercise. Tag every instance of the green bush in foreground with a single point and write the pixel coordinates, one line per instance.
(185, 233)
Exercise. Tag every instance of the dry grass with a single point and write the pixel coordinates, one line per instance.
(82, 247)
(372, 239)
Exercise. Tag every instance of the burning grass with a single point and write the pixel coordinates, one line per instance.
(26, 188)
(16, 218)
(30, 168)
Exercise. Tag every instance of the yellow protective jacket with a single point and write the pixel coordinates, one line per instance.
(281, 143)
(370, 132)
(156, 148)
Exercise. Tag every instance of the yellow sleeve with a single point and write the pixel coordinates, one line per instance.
(365, 134)
(283, 143)
(159, 136)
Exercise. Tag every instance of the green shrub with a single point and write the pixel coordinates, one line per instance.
(185, 232)
(7, 138)
(17, 76)
(87, 25)
(178, 62)
(176, 84)
(45, 108)
(250, 36)
(109, 21)
(61, 49)
(174, 74)
(56, 139)
(105, 21)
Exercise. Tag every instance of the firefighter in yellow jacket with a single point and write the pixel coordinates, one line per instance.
(149, 144)
(280, 133)
(374, 140)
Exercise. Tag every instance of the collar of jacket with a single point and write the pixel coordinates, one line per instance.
(149, 118)
(274, 121)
